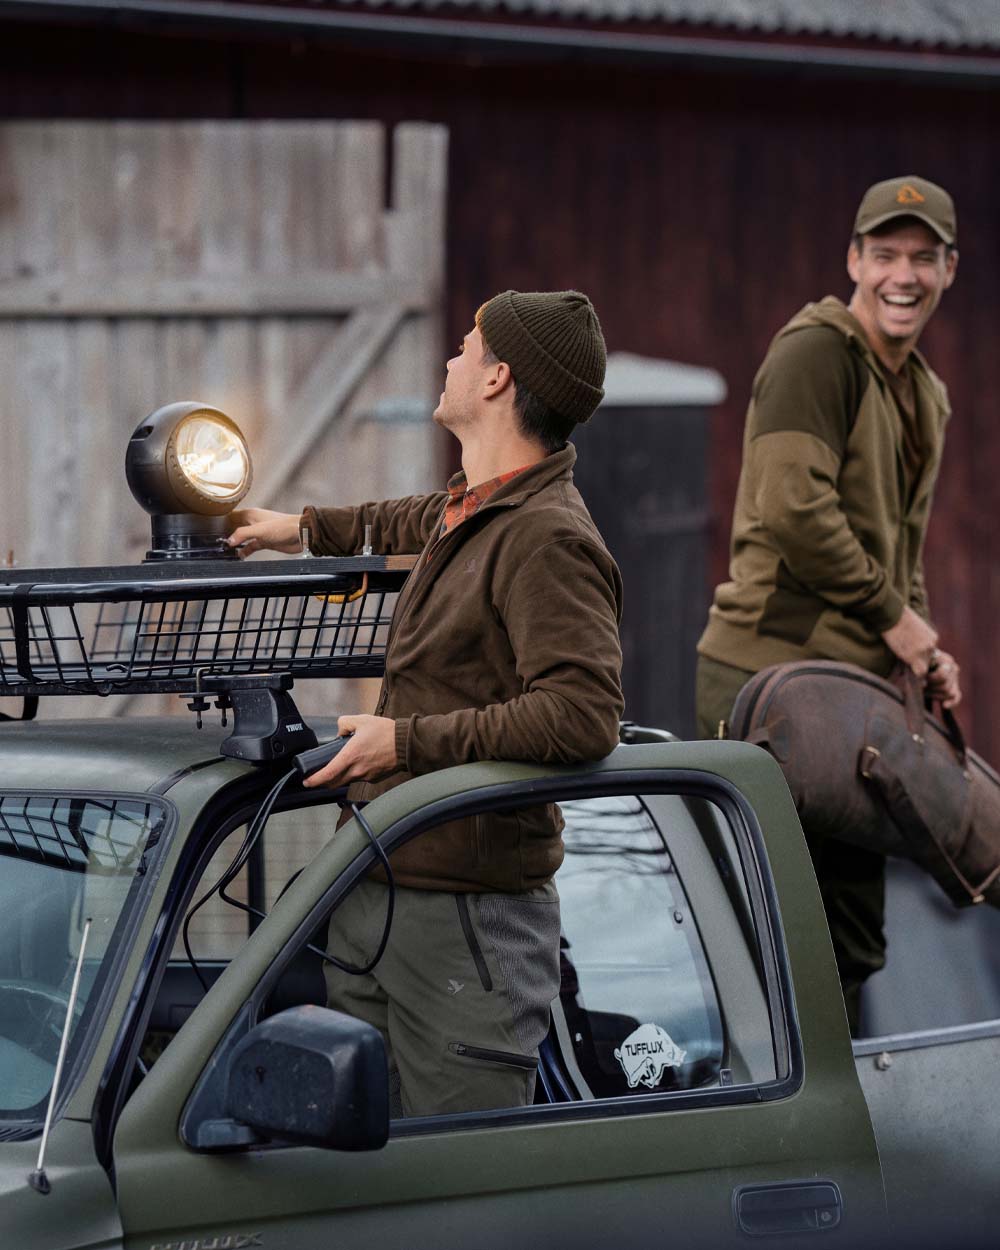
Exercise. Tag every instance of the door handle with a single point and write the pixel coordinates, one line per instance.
(789, 1207)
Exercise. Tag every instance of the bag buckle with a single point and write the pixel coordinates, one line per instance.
(866, 761)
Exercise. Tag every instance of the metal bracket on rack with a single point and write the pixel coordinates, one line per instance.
(267, 725)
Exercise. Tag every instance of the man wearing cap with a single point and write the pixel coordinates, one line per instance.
(504, 646)
(841, 450)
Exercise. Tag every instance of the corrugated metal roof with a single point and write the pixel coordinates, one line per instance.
(931, 23)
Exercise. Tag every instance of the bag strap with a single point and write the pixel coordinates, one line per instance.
(918, 703)
(900, 807)
(956, 737)
(913, 701)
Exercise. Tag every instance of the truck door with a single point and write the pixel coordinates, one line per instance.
(697, 1082)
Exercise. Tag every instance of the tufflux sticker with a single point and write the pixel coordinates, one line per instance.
(646, 1054)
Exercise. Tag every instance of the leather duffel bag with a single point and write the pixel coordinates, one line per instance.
(867, 763)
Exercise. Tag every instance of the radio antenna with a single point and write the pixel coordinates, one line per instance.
(38, 1180)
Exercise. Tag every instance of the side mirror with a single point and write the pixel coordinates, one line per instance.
(313, 1076)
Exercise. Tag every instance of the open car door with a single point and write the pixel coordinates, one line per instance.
(685, 870)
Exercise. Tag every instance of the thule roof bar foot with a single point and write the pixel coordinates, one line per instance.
(267, 726)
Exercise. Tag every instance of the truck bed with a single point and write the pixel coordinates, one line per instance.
(929, 1068)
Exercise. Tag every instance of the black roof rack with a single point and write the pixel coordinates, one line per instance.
(161, 627)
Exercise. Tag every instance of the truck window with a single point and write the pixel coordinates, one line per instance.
(661, 985)
(663, 990)
(65, 860)
(657, 959)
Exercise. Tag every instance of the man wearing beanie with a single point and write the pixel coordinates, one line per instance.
(504, 646)
(843, 440)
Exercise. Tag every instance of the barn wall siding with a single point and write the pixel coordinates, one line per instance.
(699, 212)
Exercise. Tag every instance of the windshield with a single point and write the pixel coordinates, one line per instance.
(63, 860)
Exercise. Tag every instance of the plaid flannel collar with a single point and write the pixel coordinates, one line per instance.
(466, 500)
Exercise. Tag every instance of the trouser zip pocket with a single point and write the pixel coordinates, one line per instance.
(506, 1057)
(475, 950)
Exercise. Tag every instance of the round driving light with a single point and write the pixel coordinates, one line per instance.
(188, 465)
(213, 458)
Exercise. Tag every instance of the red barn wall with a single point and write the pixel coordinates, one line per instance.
(698, 210)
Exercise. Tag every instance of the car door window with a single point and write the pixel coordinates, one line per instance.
(664, 991)
(661, 982)
(642, 1007)
(637, 998)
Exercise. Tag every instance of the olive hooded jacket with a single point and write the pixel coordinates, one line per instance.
(829, 522)
(504, 646)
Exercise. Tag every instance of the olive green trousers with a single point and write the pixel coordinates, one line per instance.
(851, 879)
(461, 994)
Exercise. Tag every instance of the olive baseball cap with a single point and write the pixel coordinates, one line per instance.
(908, 196)
(553, 343)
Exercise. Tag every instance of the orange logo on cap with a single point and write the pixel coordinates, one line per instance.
(908, 195)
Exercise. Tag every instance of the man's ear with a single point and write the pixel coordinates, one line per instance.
(853, 261)
(950, 267)
(498, 381)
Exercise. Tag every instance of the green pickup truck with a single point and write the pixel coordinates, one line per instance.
(698, 1086)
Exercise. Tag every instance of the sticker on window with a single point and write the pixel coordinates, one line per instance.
(646, 1054)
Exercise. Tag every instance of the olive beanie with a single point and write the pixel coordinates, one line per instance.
(553, 343)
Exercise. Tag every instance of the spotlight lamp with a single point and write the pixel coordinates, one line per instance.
(188, 466)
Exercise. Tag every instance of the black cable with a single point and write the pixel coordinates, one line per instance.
(389, 907)
(353, 969)
(254, 830)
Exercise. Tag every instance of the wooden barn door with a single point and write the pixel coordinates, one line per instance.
(277, 270)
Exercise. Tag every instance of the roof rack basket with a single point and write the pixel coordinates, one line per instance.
(149, 629)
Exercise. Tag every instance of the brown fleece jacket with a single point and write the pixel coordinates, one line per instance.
(504, 646)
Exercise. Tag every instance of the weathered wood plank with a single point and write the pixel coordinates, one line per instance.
(85, 194)
(353, 193)
(419, 191)
(29, 216)
(319, 399)
(98, 440)
(260, 295)
(45, 375)
(15, 423)
(134, 393)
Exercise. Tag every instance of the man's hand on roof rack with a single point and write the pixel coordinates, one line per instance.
(370, 754)
(261, 530)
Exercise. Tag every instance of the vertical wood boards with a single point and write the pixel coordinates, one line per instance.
(251, 265)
